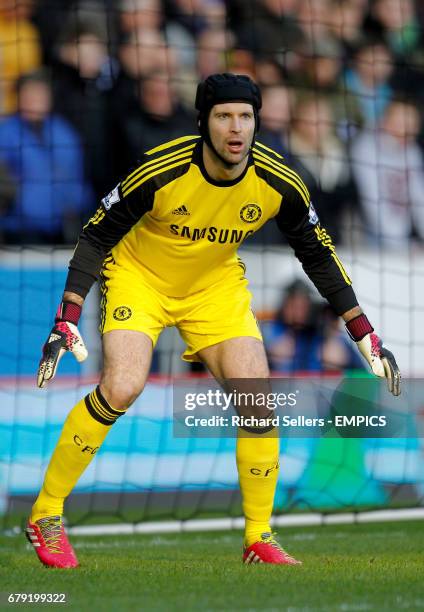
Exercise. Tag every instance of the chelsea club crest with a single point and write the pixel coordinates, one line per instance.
(250, 213)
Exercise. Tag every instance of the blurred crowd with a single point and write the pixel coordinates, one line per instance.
(304, 335)
(87, 86)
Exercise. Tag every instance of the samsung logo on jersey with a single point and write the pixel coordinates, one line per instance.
(213, 234)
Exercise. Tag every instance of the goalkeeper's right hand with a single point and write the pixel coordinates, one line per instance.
(64, 336)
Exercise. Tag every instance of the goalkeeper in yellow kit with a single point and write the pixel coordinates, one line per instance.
(164, 243)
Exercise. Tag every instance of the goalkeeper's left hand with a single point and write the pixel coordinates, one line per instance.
(381, 360)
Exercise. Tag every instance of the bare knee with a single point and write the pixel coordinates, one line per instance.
(120, 393)
(127, 358)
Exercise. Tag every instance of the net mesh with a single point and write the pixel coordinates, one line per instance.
(84, 89)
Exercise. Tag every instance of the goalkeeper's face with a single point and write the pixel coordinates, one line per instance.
(231, 130)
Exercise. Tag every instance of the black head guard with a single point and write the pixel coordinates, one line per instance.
(221, 88)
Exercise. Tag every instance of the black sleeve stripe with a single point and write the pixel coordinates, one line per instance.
(152, 163)
(284, 179)
(282, 168)
(143, 177)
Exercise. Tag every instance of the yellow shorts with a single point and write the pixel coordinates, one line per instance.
(219, 312)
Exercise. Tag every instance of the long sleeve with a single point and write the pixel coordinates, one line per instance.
(314, 248)
(119, 211)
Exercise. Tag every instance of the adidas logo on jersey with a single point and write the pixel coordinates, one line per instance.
(181, 210)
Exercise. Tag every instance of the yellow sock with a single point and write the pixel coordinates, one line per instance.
(83, 432)
(257, 464)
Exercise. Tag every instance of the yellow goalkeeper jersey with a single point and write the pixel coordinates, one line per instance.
(181, 229)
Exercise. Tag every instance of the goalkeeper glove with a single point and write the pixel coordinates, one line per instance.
(64, 336)
(381, 360)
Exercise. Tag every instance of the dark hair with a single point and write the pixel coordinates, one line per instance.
(366, 42)
(297, 287)
(78, 26)
(41, 75)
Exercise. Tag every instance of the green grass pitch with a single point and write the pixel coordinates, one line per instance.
(345, 568)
